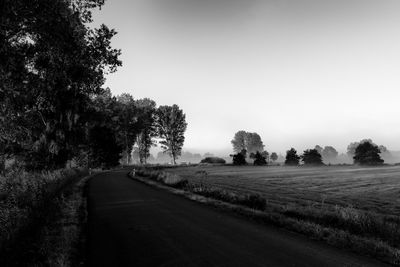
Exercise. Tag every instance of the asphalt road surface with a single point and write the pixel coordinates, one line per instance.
(133, 224)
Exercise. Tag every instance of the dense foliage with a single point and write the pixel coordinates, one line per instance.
(53, 108)
(251, 142)
(171, 126)
(51, 64)
(292, 159)
(367, 154)
(260, 158)
(239, 158)
(312, 157)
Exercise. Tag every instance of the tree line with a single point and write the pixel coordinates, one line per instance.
(53, 107)
(250, 145)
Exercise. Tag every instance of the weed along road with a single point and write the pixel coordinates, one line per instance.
(133, 224)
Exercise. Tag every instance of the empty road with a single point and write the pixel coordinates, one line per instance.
(133, 224)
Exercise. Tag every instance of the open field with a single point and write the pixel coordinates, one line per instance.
(375, 189)
(356, 208)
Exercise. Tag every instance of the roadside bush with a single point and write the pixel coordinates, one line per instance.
(213, 160)
(25, 196)
(166, 178)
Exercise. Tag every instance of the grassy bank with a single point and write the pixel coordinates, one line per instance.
(366, 232)
(38, 211)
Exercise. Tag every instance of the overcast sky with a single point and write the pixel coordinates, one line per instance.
(298, 72)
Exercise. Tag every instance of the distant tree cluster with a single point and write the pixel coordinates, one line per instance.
(135, 124)
(250, 144)
(363, 153)
(53, 107)
(367, 153)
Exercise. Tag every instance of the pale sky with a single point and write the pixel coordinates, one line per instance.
(298, 72)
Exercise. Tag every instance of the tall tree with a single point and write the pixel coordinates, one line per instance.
(128, 128)
(171, 126)
(51, 63)
(146, 109)
(239, 141)
(104, 150)
(102, 143)
(254, 143)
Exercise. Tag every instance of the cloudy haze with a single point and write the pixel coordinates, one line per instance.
(298, 72)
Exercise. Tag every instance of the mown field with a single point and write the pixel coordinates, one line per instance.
(374, 189)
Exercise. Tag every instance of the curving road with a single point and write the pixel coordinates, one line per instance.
(132, 224)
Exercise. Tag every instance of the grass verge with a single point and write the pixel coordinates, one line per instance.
(344, 227)
(42, 215)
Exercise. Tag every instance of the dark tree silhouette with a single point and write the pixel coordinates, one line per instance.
(146, 119)
(312, 157)
(127, 127)
(260, 158)
(367, 153)
(351, 148)
(292, 159)
(171, 126)
(104, 149)
(51, 65)
(239, 158)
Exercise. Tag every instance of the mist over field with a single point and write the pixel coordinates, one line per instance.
(299, 73)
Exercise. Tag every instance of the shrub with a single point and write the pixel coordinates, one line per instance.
(26, 196)
(312, 157)
(292, 159)
(166, 178)
(254, 201)
(367, 154)
(213, 160)
(239, 158)
(260, 158)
